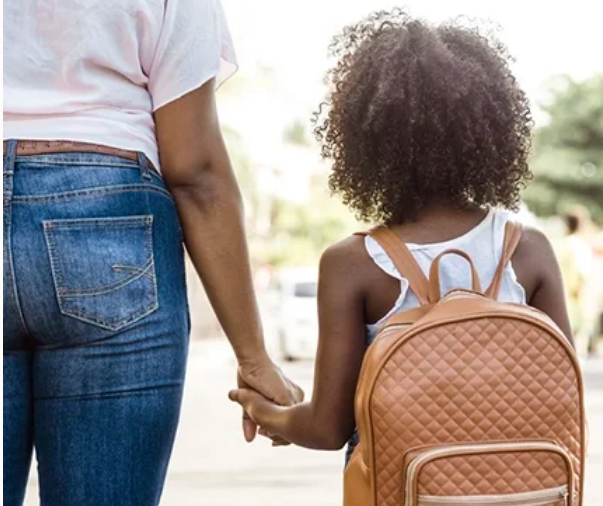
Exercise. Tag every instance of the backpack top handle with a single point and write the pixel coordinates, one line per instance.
(435, 292)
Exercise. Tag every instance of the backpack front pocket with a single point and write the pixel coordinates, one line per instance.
(103, 269)
(521, 473)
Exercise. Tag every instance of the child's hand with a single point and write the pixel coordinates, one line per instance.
(261, 410)
(275, 438)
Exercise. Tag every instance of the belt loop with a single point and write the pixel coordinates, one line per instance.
(10, 155)
(144, 167)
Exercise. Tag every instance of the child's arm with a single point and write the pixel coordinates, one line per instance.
(540, 275)
(328, 420)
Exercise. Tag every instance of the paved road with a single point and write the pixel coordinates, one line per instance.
(213, 466)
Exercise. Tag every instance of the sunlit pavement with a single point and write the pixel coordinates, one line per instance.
(213, 466)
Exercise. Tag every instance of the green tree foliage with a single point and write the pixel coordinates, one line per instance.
(301, 231)
(568, 151)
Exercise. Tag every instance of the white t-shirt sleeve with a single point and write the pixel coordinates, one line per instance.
(194, 46)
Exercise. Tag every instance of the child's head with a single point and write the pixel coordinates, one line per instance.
(422, 114)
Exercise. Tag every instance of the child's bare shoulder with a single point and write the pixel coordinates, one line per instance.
(352, 246)
(534, 244)
(349, 253)
(348, 259)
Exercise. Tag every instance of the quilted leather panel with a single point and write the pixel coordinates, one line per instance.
(503, 473)
(488, 379)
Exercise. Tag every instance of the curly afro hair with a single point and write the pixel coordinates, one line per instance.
(420, 114)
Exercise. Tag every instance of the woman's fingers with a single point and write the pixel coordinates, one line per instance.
(249, 426)
(269, 380)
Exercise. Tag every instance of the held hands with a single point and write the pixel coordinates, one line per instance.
(260, 411)
(262, 388)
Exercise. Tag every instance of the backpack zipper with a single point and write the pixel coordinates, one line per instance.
(532, 498)
(476, 449)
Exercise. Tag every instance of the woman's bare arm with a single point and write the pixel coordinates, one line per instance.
(198, 173)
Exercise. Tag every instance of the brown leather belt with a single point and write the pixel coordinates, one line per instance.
(30, 148)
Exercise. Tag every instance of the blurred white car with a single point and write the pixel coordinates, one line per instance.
(295, 308)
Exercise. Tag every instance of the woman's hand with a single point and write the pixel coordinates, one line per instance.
(270, 384)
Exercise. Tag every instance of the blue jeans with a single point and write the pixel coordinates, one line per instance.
(96, 328)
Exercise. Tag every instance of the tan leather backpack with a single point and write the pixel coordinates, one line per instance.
(466, 400)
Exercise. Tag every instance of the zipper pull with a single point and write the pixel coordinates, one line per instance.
(565, 496)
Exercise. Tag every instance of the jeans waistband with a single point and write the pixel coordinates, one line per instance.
(25, 148)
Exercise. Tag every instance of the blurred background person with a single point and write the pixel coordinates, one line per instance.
(594, 290)
(577, 261)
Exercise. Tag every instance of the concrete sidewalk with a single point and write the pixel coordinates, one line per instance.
(593, 376)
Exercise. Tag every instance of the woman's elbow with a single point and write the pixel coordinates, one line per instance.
(206, 187)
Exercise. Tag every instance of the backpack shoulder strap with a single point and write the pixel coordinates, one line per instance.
(402, 258)
(513, 232)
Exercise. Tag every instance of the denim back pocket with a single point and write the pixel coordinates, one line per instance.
(103, 269)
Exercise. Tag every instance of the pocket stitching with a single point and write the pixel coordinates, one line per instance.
(57, 272)
(58, 276)
(129, 221)
(147, 268)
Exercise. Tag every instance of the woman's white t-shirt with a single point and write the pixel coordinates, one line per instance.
(95, 70)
